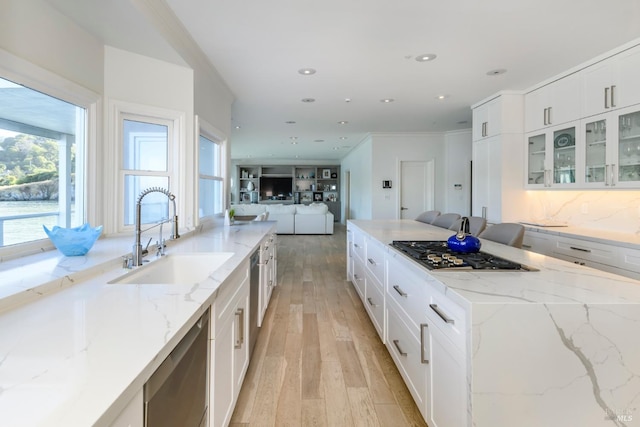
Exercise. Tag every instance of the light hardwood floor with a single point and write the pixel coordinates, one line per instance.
(318, 360)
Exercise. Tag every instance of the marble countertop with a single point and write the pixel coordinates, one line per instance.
(628, 240)
(557, 281)
(75, 349)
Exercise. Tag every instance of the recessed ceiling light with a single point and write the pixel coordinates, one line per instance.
(335, 148)
(496, 72)
(290, 122)
(347, 100)
(426, 57)
(237, 127)
(294, 142)
(308, 100)
(343, 137)
(387, 100)
(343, 122)
(306, 71)
(442, 97)
(318, 140)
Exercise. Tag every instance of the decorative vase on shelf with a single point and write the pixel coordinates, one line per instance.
(250, 186)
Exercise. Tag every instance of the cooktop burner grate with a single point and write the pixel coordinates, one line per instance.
(437, 255)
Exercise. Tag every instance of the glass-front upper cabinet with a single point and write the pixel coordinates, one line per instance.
(628, 149)
(551, 157)
(612, 149)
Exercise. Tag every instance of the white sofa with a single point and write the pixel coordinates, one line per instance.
(292, 219)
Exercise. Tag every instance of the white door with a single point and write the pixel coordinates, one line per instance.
(417, 188)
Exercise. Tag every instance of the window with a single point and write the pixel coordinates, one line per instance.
(210, 177)
(146, 162)
(42, 161)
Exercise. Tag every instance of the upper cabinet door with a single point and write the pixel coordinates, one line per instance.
(487, 120)
(554, 104)
(612, 83)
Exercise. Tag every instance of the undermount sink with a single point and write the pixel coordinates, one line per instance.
(176, 269)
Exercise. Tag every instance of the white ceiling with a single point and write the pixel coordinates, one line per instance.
(365, 49)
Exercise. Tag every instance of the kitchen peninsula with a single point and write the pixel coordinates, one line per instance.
(555, 347)
(80, 355)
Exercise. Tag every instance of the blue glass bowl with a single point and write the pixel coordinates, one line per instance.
(73, 241)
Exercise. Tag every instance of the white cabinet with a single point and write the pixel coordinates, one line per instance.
(553, 104)
(537, 242)
(268, 274)
(496, 175)
(133, 414)
(612, 83)
(552, 156)
(229, 346)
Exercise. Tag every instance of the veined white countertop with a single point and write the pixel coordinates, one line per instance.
(554, 347)
(75, 349)
(628, 240)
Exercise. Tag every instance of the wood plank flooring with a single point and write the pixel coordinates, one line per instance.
(318, 360)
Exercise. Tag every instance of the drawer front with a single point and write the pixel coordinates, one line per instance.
(358, 278)
(537, 242)
(374, 303)
(358, 245)
(449, 318)
(410, 292)
(405, 350)
(589, 251)
(375, 255)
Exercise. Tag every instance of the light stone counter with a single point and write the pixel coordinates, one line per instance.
(77, 349)
(627, 240)
(554, 347)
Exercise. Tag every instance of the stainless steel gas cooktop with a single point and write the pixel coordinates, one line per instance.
(436, 255)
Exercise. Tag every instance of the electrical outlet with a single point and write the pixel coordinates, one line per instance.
(584, 208)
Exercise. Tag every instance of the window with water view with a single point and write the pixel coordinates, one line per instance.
(42, 142)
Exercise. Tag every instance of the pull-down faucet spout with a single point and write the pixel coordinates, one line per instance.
(136, 253)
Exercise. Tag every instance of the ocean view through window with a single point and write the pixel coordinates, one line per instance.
(42, 145)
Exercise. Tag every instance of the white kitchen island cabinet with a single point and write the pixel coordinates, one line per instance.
(553, 347)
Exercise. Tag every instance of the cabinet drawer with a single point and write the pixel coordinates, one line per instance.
(374, 303)
(358, 278)
(375, 259)
(405, 349)
(358, 245)
(449, 318)
(409, 291)
(537, 242)
(589, 251)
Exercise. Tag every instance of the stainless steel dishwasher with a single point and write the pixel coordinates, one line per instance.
(254, 296)
(176, 393)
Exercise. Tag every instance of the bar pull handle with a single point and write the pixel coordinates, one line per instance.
(400, 291)
(613, 95)
(240, 334)
(440, 313)
(371, 302)
(549, 117)
(371, 261)
(606, 97)
(402, 353)
(423, 359)
(544, 117)
(580, 249)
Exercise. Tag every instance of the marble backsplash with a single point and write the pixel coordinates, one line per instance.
(617, 211)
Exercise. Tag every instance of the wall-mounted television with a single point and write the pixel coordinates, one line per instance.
(275, 188)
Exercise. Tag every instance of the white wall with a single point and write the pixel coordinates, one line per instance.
(458, 172)
(36, 32)
(359, 164)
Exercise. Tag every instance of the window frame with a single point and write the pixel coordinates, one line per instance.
(203, 128)
(36, 78)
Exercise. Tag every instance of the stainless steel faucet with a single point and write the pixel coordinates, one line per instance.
(137, 253)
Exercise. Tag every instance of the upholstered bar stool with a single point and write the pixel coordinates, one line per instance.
(507, 233)
(445, 220)
(477, 224)
(428, 216)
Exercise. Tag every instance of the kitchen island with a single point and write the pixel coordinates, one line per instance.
(78, 356)
(554, 347)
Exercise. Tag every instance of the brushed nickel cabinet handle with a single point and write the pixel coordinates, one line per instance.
(606, 97)
(580, 249)
(371, 302)
(613, 95)
(549, 117)
(423, 360)
(400, 291)
(240, 335)
(402, 353)
(440, 313)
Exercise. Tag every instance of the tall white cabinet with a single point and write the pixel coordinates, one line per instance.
(497, 154)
